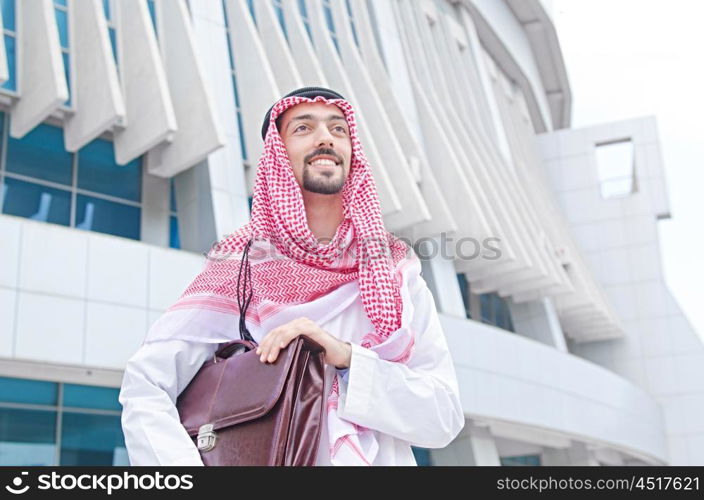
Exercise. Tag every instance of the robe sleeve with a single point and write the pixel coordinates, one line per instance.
(154, 377)
(417, 402)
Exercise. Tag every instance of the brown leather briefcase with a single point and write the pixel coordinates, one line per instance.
(240, 411)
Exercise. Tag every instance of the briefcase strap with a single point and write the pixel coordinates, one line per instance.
(243, 300)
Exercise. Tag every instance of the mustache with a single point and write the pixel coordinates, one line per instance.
(323, 151)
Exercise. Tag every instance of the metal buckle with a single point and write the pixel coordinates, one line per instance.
(206, 437)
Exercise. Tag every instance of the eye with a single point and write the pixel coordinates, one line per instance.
(298, 128)
(341, 129)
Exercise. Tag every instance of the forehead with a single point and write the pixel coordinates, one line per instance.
(317, 109)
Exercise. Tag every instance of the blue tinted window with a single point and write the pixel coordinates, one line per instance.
(280, 15)
(354, 30)
(422, 456)
(40, 154)
(172, 195)
(485, 303)
(495, 311)
(224, 12)
(328, 17)
(27, 437)
(97, 171)
(330, 23)
(11, 83)
(503, 314)
(60, 2)
(304, 14)
(106, 8)
(250, 3)
(231, 56)
(242, 144)
(234, 86)
(36, 202)
(67, 75)
(152, 13)
(113, 43)
(90, 439)
(302, 7)
(521, 460)
(86, 396)
(464, 289)
(8, 14)
(94, 214)
(62, 24)
(15, 390)
(250, 199)
(174, 239)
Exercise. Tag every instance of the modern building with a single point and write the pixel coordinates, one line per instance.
(129, 143)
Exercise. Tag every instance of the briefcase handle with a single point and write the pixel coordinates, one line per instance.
(232, 347)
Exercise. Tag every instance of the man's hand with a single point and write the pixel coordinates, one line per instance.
(337, 353)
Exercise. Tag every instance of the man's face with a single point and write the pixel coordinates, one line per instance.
(317, 140)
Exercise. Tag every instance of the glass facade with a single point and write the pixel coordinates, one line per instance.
(616, 168)
(489, 308)
(61, 14)
(330, 24)
(304, 15)
(111, 28)
(278, 8)
(49, 423)
(234, 80)
(521, 460)
(86, 190)
(464, 288)
(174, 238)
(8, 19)
(422, 456)
(495, 311)
(354, 29)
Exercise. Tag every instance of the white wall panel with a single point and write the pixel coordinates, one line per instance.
(502, 376)
(255, 78)
(413, 207)
(272, 38)
(96, 95)
(199, 131)
(396, 95)
(41, 82)
(150, 117)
(339, 81)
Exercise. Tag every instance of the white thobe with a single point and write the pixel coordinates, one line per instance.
(412, 404)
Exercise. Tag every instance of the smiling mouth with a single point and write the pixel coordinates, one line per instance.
(323, 163)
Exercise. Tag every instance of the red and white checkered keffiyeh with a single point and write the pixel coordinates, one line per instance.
(289, 266)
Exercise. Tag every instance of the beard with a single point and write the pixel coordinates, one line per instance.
(323, 182)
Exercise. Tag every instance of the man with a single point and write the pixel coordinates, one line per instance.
(321, 264)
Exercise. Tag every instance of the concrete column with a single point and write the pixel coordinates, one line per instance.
(441, 277)
(155, 210)
(538, 320)
(196, 220)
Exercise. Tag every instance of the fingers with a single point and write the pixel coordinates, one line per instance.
(278, 338)
(272, 344)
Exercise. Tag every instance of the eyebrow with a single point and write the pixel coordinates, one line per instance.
(308, 116)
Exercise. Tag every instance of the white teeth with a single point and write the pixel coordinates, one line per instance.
(323, 162)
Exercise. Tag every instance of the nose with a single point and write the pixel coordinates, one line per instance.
(324, 136)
